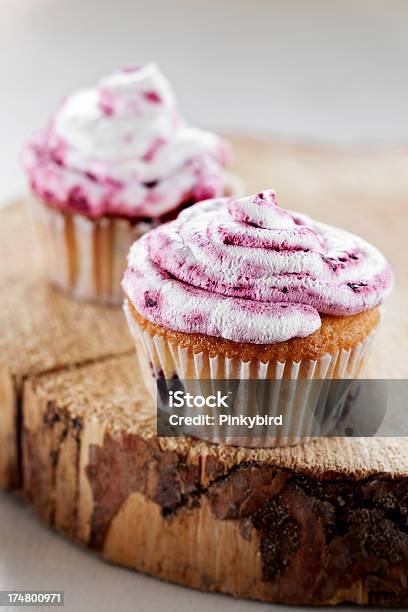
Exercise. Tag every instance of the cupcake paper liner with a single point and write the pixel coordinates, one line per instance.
(160, 358)
(85, 257)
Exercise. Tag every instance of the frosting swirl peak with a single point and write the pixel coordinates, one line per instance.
(122, 148)
(249, 271)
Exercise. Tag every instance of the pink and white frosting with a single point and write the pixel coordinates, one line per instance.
(249, 271)
(121, 148)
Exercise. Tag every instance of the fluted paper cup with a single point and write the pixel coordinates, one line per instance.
(300, 402)
(85, 257)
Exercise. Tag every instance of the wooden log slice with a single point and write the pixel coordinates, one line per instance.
(320, 523)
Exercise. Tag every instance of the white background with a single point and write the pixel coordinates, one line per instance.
(331, 71)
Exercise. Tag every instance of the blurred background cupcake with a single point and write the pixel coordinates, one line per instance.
(114, 161)
(242, 289)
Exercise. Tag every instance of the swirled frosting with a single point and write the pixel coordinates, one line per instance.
(249, 271)
(121, 148)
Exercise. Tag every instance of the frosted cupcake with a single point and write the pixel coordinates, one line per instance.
(240, 289)
(114, 161)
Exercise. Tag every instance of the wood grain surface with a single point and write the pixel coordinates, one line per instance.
(77, 431)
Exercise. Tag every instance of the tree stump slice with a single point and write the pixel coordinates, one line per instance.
(321, 523)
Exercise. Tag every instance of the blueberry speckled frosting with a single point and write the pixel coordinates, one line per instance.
(246, 270)
(121, 148)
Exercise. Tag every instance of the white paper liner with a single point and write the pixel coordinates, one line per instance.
(160, 358)
(85, 257)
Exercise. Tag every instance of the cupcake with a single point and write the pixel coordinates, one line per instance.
(242, 289)
(114, 161)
